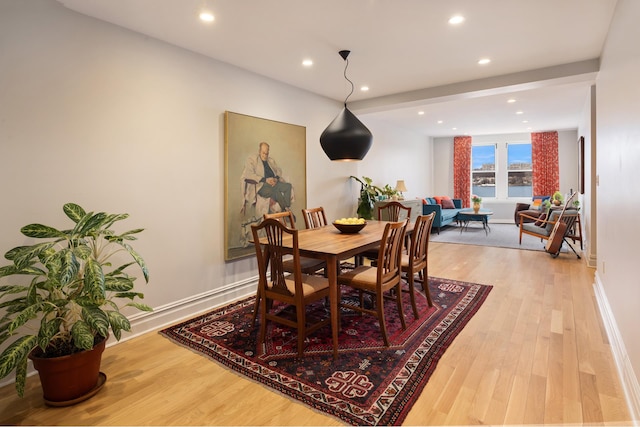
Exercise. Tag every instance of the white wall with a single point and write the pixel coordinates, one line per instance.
(119, 122)
(503, 208)
(398, 154)
(588, 201)
(618, 192)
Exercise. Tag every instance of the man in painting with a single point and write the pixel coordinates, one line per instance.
(264, 172)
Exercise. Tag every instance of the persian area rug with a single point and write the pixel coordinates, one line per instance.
(368, 384)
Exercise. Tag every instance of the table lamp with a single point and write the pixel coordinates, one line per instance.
(401, 188)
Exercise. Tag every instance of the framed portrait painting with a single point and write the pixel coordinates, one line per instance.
(265, 172)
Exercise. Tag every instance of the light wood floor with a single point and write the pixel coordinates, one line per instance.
(535, 353)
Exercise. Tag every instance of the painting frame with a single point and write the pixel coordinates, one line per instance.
(581, 165)
(244, 202)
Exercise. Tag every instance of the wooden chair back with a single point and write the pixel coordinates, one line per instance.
(394, 211)
(419, 248)
(285, 217)
(314, 217)
(390, 254)
(270, 256)
(416, 260)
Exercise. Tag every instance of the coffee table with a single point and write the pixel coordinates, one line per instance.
(466, 216)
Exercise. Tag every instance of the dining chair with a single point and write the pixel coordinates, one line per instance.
(314, 217)
(307, 265)
(416, 260)
(383, 278)
(293, 288)
(392, 211)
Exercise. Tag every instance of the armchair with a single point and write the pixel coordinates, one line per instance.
(531, 211)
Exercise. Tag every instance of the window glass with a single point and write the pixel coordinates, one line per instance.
(519, 170)
(483, 170)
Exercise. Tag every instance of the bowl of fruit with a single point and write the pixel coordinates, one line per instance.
(349, 225)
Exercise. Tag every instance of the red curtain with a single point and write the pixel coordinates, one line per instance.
(462, 169)
(545, 170)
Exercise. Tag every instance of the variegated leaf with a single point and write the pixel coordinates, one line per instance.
(97, 319)
(40, 231)
(82, 335)
(74, 212)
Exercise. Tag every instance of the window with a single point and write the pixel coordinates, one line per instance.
(519, 170)
(483, 170)
(501, 168)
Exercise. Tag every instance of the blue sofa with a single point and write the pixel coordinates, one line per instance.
(443, 216)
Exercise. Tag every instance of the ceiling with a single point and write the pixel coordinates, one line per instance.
(544, 53)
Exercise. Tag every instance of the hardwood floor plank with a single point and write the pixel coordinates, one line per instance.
(536, 352)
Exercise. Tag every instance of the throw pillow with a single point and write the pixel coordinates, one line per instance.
(541, 219)
(447, 203)
(438, 199)
(536, 204)
(424, 202)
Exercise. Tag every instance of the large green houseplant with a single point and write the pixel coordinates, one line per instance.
(71, 290)
(368, 194)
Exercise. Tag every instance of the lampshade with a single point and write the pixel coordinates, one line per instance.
(400, 186)
(346, 138)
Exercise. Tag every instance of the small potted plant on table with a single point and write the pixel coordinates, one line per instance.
(71, 294)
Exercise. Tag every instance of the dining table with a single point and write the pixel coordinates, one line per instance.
(329, 244)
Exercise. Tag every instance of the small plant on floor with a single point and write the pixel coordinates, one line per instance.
(70, 296)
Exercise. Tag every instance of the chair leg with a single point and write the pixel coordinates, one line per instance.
(425, 285)
(256, 307)
(383, 323)
(399, 303)
(412, 291)
(263, 326)
(302, 321)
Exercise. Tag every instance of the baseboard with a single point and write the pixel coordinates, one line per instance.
(143, 322)
(627, 376)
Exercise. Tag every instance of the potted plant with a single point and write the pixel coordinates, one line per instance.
(476, 203)
(389, 192)
(368, 194)
(66, 308)
(557, 198)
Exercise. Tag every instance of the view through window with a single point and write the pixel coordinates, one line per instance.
(483, 170)
(501, 170)
(520, 178)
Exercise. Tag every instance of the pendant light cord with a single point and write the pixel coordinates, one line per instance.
(346, 60)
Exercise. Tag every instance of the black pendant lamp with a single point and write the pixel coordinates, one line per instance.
(346, 138)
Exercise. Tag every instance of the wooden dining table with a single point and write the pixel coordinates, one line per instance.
(332, 246)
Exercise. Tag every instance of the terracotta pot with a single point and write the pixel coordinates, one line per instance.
(69, 378)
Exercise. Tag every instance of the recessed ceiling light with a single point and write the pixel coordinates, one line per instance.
(456, 19)
(439, 122)
(525, 121)
(454, 128)
(206, 16)
(307, 63)
(519, 112)
(364, 88)
(421, 113)
(511, 101)
(484, 61)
